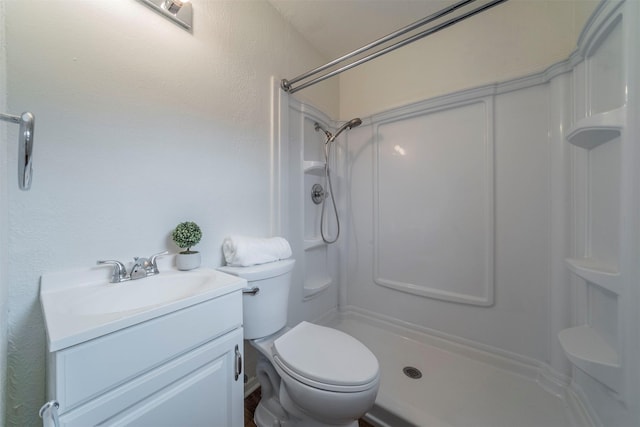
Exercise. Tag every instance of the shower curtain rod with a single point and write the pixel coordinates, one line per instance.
(286, 84)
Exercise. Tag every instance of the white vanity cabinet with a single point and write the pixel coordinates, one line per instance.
(183, 368)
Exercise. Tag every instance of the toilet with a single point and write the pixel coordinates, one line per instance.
(310, 375)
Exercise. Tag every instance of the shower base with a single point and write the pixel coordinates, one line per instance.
(459, 386)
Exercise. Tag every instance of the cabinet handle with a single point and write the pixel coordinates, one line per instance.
(49, 411)
(238, 363)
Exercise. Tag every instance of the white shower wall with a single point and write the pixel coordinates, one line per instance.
(315, 280)
(544, 222)
(486, 221)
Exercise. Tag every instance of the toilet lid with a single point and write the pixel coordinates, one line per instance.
(325, 358)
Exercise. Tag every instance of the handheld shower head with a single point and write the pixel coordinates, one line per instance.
(327, 150)
(354, 122)
(349, 125)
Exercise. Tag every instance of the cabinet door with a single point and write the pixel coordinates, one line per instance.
(91, 369)
(197, 389)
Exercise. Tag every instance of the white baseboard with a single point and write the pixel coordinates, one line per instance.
(251, 385)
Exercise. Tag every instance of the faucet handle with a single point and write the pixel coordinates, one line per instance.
(153, 260)
(119, 270)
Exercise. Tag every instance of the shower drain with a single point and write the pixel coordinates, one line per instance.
(411, 372)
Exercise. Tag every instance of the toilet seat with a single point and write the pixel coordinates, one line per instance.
(326, 359)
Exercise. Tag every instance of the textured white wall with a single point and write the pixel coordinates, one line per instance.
(3, 218)
(140, 125)
(511, 40)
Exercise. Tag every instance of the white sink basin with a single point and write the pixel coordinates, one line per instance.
(82, 305)
(134, 295)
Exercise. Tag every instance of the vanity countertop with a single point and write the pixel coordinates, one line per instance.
(79, 305)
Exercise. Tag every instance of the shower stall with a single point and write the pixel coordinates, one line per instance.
(489, 240)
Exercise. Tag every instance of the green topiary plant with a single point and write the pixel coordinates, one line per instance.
(186, 235)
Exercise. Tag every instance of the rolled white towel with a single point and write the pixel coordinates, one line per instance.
(240, 251)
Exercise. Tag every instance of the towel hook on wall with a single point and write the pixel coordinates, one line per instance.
(25, 141)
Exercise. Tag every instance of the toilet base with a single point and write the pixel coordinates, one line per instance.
(301, 419)
(270, 411)
(265, 418)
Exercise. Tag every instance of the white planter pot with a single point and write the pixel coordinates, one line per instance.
(188, 261)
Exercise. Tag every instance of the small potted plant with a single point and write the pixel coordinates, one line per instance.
(186, 235)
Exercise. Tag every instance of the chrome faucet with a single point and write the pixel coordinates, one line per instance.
(119, 271)
(142, 267)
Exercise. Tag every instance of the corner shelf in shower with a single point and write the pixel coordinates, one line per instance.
(585, 347)
(597, 129)
(596, 272)
(314, 286)
(587, 350)
(313, 166)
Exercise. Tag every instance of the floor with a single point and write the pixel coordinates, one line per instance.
(455, 390)
(251, 402)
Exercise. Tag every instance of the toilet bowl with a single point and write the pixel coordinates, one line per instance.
(311, 375)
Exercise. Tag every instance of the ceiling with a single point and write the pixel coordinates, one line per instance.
(337, 27)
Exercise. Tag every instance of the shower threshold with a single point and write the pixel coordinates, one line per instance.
(455, 389)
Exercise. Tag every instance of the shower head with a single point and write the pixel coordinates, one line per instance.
(331, 137)
(349, 125)
(353, 123)
(327, 150)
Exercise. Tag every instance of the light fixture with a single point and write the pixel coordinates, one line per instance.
(179, 11)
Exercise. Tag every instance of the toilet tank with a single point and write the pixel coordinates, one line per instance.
(264, 312)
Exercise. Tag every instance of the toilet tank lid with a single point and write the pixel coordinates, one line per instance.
(261, 271)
